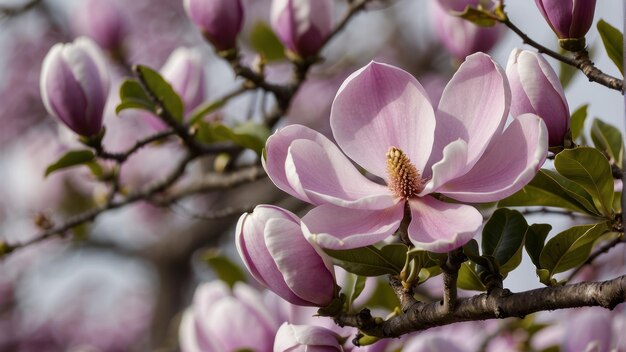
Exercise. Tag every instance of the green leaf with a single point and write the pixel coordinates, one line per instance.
(503, 238)
(570, 248)
(71, 159)
(357, 289)
(478, 17)
(535, 240)
(224, 268)
(366, 261)
(577, 121)
(591, 170)
(201, 111)
(473, 253)
(608, 139)
(396, 253)
(613, 41)
(248, 135)
(566, 73)
(132, 96)
(265, 42)
(163, 91)
(551, 189)
(468, 279)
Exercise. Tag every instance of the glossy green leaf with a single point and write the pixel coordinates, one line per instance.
(396, 253)
(471, 250)
(248, 135)
(577, 120)
(132, 96)
(265, 42)
(71, 159)
(503, 238)
(535, 240)
(163, 91)
(224, 268)
(468, 279)
(609, 140)
(570, 248)
(357, 289)
(613, 41)
(591, 170)
(551, 189)
(365, 261)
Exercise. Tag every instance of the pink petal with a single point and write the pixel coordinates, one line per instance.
(452, 165)
(510, 163)
(334, 227)
(276, 149)
(474, 107)
(441, 227)
(325, 175)
(297, 260)
(381, 106)
(306, 338)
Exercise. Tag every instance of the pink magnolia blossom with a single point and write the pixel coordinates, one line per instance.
(536, 89)
(75, 85)
(272, 246)
(459, 36)
(383, 120)
(102, 21)
(302, 25)
(219, 20)
(568, 18)
(302, 338)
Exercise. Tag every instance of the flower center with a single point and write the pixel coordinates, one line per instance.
(404, 179)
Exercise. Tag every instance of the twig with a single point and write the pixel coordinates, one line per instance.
(421, 316)
(178, 208)
(450, 271)
(7, 11)
(580, 60)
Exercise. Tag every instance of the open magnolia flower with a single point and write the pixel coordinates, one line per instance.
(383, 120)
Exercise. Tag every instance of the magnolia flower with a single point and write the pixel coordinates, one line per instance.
(102, 21)
(75, 84)
(568, 18)
(459, 36)
(296, 338)
(383, 120)
(536, 89)
(219, 20)
(267, 240)
(302, 25)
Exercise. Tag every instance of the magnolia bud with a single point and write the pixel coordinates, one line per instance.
(302, 25)
(221, 320)
(459, 36)
(219, 20)
(275, 251)
(536, 89)
(302, 338)
(568, 18)
(103, 22)
(75, 84)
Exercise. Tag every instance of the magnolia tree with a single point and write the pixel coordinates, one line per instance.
(404, 202)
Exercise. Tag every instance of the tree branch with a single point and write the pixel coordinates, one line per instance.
(422, 316)
(8, 11)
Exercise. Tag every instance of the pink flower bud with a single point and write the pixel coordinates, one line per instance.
(75, 84)
(568, 18)
(536, 89)
(459, 36)
(271, 243)
(302, 25)
(302, 338)
(103, 22)
(219, 20)
(221, 320)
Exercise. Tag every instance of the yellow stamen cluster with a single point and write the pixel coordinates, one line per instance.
(404, 179)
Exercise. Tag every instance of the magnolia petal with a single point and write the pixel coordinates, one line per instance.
(474, 107)
(277, 147)
(297, 260)
(192, 335)
(325, 175)
(335, 227)
(306, 338)
(251, 246)
(511, 162)
(380, 106)
(452, 165)
(441, 227)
